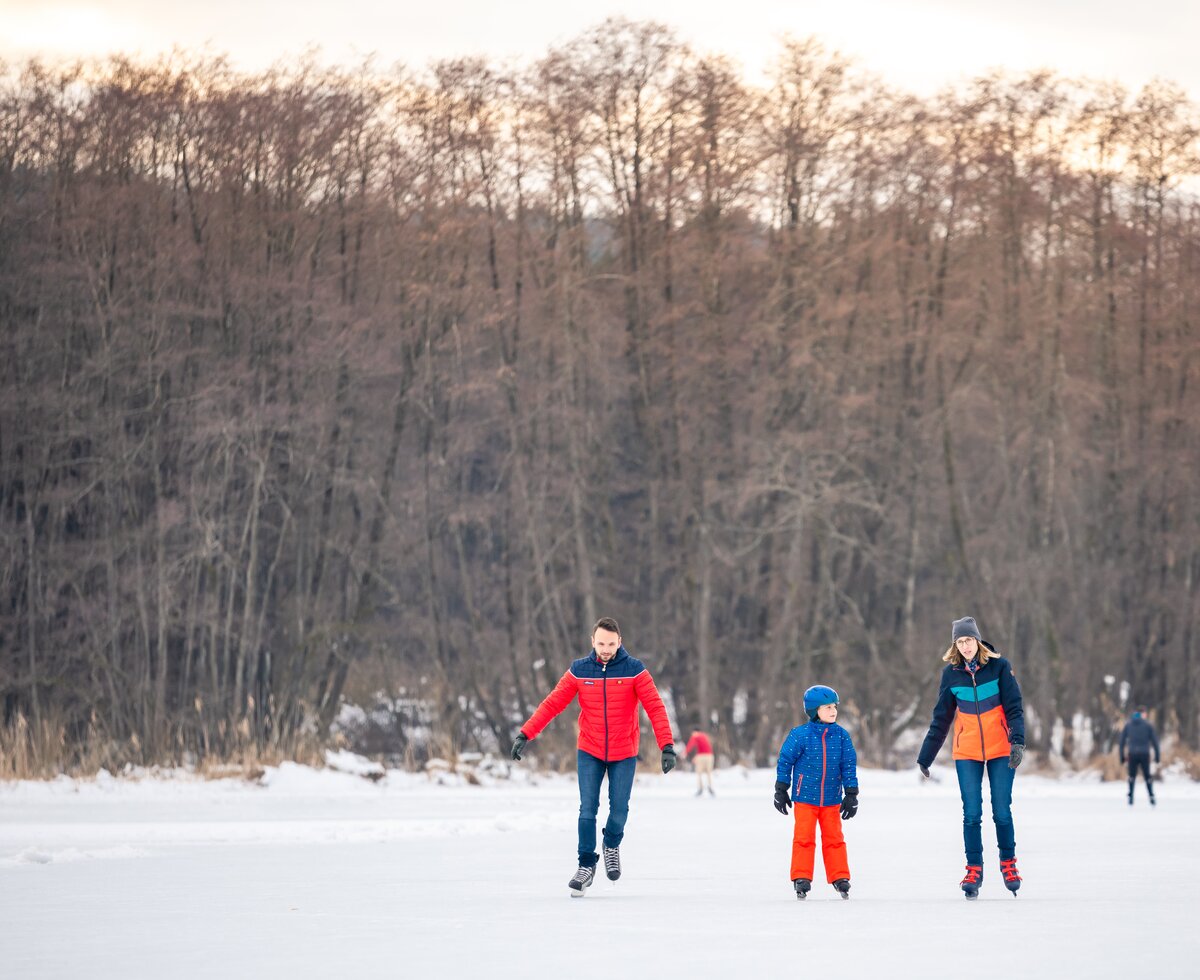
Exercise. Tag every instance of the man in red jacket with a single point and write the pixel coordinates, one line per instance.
(610, 684)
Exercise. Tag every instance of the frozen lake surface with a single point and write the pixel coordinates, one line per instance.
(322, 873)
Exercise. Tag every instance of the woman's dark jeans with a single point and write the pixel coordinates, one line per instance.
(620, 782)
(970, 785)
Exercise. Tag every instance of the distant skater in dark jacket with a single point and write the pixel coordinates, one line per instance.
(1137, 738)
(980, 695)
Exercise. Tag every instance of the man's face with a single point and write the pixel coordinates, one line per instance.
(827, 713)
(605, 643)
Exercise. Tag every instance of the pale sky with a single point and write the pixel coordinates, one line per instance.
(918, 45)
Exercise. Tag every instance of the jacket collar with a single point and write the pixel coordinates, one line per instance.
(620, 655)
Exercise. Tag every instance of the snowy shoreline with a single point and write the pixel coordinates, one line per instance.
(356, 775)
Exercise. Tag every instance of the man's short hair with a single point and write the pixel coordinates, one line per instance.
(606, 623)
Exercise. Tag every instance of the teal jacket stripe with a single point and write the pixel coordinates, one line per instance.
(987, 690)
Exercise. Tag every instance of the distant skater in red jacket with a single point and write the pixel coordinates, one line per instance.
(610, 685)
(700, 748)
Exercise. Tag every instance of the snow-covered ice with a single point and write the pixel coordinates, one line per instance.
(327, 873)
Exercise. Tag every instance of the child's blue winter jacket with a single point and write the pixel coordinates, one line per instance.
(818, 760)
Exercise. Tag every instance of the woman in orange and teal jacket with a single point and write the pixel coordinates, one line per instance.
(980, 695)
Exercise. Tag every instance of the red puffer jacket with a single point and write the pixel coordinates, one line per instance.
(608, 706)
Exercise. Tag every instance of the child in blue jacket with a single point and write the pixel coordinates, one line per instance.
(818, 774)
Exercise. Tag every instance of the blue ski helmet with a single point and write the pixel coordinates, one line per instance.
(816, 696)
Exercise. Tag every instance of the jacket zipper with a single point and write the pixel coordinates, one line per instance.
(604, 689)
(823, 734)
(978, 718)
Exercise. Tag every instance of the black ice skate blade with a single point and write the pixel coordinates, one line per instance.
(801, 896)
(970, 896)
(845, 896)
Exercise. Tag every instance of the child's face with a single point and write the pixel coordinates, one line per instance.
(827, 712)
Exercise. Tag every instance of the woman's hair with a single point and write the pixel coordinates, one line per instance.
(986, 652)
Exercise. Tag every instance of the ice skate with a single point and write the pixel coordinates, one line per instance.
(581, 881)
(1012, 880)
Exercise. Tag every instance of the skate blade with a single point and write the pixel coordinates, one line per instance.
(971, 896)
(577, 892)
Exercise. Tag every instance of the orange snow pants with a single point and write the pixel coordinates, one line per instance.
(804, 842)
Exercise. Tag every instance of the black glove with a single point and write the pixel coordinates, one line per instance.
(783, 797)
(519, 746)
(849, 802)
(668, 758)
(1015, 754)
(924, 770)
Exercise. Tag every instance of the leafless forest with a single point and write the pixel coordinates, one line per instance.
(381, 385)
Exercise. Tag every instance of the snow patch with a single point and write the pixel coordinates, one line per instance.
(355, 765)
(70, 855)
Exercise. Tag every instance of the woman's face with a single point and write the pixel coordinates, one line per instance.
(968, 646)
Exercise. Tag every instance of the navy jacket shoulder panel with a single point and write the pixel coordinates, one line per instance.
(622, 665)
(627, 667)
(952, 675)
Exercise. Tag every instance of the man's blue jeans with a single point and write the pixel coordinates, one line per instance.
(620, 782)
(970, 785)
